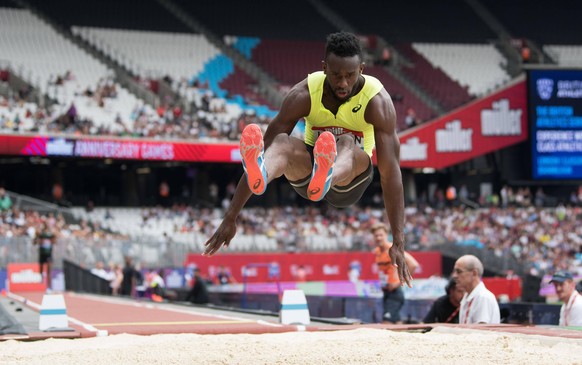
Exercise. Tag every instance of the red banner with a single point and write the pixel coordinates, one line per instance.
(118, 148)
(316, 266)
(502, 286)
(488, 124)
(25, 277)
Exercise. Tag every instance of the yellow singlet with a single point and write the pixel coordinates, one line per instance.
(349, 117)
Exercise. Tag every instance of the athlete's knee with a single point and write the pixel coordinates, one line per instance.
(282, 140)
(345, 141)
(289, 146)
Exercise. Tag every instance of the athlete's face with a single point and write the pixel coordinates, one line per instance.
(342, 74)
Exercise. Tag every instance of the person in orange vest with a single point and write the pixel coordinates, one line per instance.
(393, 295)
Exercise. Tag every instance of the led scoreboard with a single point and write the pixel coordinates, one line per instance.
(555, 112)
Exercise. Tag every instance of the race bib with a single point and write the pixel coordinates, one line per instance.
(338, 131)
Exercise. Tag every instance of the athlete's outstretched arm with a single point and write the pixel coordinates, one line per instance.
(295, 106)
(380, 113)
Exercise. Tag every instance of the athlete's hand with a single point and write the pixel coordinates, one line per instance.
(221, 237)
(398, 259)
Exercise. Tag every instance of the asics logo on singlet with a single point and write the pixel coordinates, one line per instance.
(356, 108)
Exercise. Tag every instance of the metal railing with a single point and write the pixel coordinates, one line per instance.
(24, 202)
(87, 251)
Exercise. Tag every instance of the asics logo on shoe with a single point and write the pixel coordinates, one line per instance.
(356, 108)
(257, 184)
(314, 191)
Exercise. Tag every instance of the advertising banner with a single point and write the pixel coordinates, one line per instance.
(486, 125)
(306, 266)
(25, 277)
(117, 148)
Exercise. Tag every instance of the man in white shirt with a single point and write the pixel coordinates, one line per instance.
(99, 270)
(478, 304)
(571, 311)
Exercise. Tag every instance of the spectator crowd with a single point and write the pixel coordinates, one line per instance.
(545, 239)
(205, 117)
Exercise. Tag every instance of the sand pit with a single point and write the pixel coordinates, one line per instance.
(361, 346)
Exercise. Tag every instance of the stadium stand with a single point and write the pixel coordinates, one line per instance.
(565, 55)
(145, 53)
(148, 16)
(402, 97)
(242, 84)
(447, 92)
(459, 62)
(289, 61)
(64, 72)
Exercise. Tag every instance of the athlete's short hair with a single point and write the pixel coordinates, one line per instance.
(343, 44)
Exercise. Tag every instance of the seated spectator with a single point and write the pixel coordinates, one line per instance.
(5, 201)
(199, 292)
(446, 308)
(99, 270)
(410, 119)
(115, 283)
(223, 276)
(131, 277)
(158, 288)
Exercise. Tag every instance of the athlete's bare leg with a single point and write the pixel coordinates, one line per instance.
(287, 156)
(351, 161)
(49, 279)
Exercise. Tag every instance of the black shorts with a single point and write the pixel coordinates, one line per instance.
(338, 196)
(44, 258)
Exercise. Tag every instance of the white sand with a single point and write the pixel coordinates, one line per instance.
(361, 346)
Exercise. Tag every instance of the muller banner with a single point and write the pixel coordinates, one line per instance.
(485, 125)
(24, 277)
